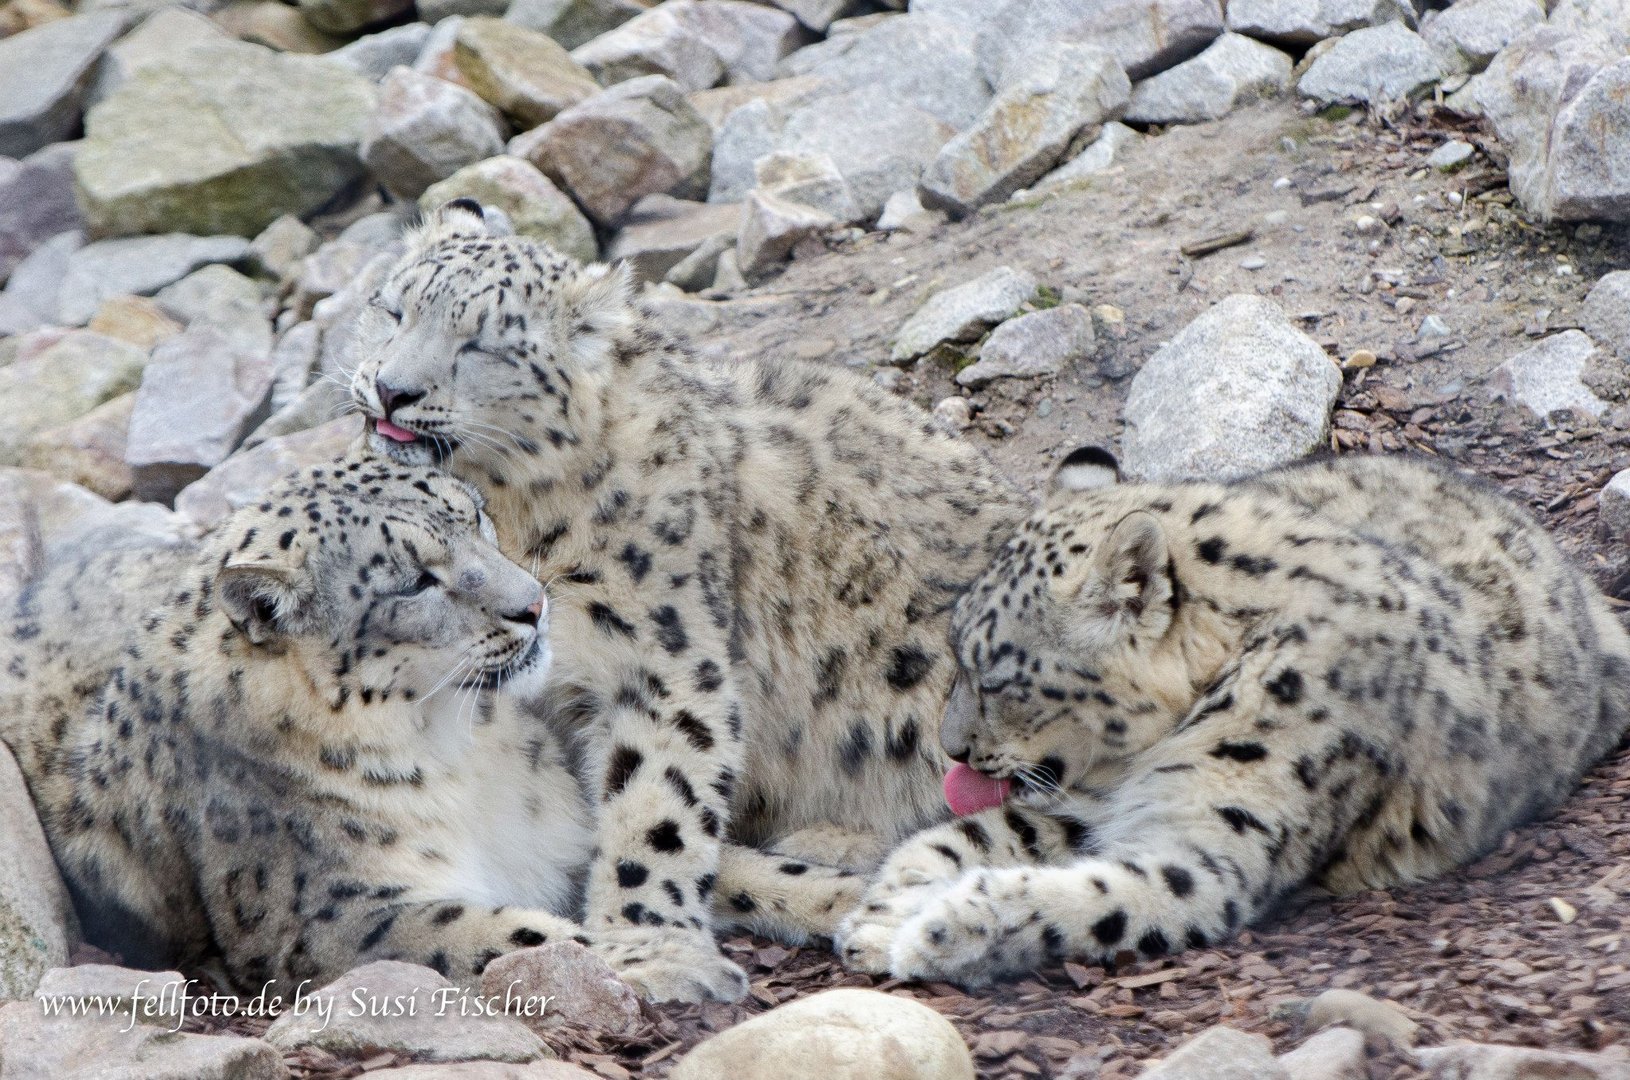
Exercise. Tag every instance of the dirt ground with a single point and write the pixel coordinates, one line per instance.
(1486, 955)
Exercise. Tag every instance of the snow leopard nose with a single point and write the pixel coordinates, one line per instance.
(531, 616)
(392, 398)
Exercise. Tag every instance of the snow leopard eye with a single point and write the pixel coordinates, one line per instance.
(426, 580)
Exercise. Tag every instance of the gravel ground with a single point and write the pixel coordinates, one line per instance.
(1529, 946)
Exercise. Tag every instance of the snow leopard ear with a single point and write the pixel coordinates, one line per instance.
(260, 597)
(460, 217)
(598, 306)
(1124, 585)
(1085, 468)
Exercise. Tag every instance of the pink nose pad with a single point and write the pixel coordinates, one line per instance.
(539, 606)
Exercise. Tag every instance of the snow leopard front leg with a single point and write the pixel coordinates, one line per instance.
(671, 754)
(1212, 829)
(929, 865)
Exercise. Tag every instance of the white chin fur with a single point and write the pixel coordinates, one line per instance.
(413, 453)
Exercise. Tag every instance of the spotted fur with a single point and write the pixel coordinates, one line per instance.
(1355, 674)
(754, 566)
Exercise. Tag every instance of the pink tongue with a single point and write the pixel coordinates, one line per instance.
(392, 432)
(968, 792)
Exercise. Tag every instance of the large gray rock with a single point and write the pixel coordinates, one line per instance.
(221, 297)
(42, 1047)
(527, 75)
(662, 41)
(964, 312)
(348, 16)
(32, 293)
(1469, 34)
(1219, 1053)
(136, 265)
(836, 1035)
(88, 450)
(1336, 1053)
(660, 232)
(639, 138)
(878, 142)
(582, 989)
(221, 139)
(928, 61)
(155, 41)
(810, 180)
(817, 15)
(1609, 17)
(1031, 346)
(202, 392)
(62, 381)
(1144, 36)
(1304, 22)
(425, 129)
(1556, 99)
(244, 477)
(1058, 91)
(1379, 63)
(1231, 70)
(1098, 156)
(448, 1036)
(36, 917)
(338, 264)
(1548, 376)
(1613, 506)
(373, 55)
(771, 227)
(535, 206)
(44, 74)
(574, 22)
(1483, 1061)
(1238, 390)
(1606, 314)
(36, 203)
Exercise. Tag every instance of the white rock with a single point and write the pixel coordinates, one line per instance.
(1333, 1054)
(294, 358)
(1450, 154)
(527, 75)
(878, 142)
(836, 1035)
(36, 917)
(658, 42)
(220, 297)
(373, 55)
(137, 265)
(1536, 94)
(1588, 168)
(201, 393)
(425, 129)
(574, 22)
(1380, 63)
(771, 227)
(244, 477)
(1304, 22)
(150, 44)
(1433, 326)
(641, 137)
(750, 39)
(44, 74)
(1607, 17)
(899, 209)
(1060, 90)
(810, 180)
(1613, 506)
(34, 289)
(1547, 376)
(1606, 314)
(1238, 390)
(581, 989)
(1469, 34)
(40, 1047)
(954, 413)
(1030, 346)
(964, 312)
(65, 379)
(1144, 36)
(281, 246)
(1233, 69)
(425, 1034)
(1475, 1061)
(923, 59)
(1099, 155)
(1219, 1053)
(36, 203)
(661, 232)
(534, 205)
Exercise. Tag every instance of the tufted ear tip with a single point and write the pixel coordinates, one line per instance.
(1085, 468)
(259, 596)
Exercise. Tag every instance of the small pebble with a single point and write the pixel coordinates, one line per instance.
(1451, 154)
(1565, 911)
(1044, 408)
(1433, 327)
(1282, 183)
(1367, 225)
(954, 412)
(1252, 262)
(1361, 358)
